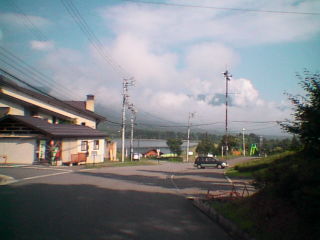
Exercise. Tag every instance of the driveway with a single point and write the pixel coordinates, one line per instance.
(142, 202)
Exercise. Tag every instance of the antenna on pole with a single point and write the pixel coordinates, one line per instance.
(227, 77)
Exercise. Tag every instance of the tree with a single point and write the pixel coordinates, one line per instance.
(205, 146)
(234, 142)
(306, 122)
(295, 144)
(174, 145)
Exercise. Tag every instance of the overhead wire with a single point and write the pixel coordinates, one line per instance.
(32, 27)
(8, 74)
(91, 36)
(45, 80)
(20, 66)
(223, 8)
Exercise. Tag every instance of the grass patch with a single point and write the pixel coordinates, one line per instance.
(172, 159)
(256, 166)
(232, 172)
(239, 215)
(263, 217)
(121, 164)
(287, 203)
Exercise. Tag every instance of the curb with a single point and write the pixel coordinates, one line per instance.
(226, 224)
(5, 180)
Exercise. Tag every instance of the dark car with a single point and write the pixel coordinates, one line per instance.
(202, 162)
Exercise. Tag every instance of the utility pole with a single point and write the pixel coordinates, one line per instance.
(227, 77)
(243, 142)
(125, 84)
(133, 116)
(191, 115)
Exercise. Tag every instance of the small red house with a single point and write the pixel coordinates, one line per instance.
(153, 153)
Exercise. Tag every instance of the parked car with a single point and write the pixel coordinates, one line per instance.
(202, 162)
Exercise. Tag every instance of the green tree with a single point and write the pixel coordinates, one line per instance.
(234, 142)
(295, 144)
(174, 145)
(205, 146)
(306, 122)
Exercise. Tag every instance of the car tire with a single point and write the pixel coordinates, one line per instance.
(219, 166)
(199, 166)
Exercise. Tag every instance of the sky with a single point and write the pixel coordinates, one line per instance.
(176, 50)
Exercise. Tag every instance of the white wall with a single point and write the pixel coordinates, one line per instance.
(69, 146)
(18, 150)
(15, 109)
(90, 122)
(73, 146)
(99, 153)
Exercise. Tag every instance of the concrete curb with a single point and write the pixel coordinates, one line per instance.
(5, 180)
(226, 224)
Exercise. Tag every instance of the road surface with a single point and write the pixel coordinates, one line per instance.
(142, 202)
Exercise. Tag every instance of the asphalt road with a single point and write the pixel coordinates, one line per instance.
(142, 202)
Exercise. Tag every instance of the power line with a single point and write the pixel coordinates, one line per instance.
(27, 70)
(27, 84)
(31, 26)
(91, 36)
(223, 8)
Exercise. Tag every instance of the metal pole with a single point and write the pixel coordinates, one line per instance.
(188, 133)
(243, 142)
(131, 140)
(123, 120)
(125, 84)
(188, 142)
(227, 77)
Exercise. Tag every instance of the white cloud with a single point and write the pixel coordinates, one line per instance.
(176, 25)
(20, 20)
(42, 45)
(244, 94)
(175, 53)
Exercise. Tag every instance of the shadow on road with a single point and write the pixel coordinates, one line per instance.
(195, 172)
(164, 180)
(82, 212)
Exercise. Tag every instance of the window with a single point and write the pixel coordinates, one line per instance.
(84, 145)
(96, 145)
(83, 123)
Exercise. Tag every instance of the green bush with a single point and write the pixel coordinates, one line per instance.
(294, 179)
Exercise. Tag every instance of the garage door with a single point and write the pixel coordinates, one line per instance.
(17, 150)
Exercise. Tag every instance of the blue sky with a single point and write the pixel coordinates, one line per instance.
(176, 54)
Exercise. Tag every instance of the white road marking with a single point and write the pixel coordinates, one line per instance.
(229, 180)
(173, 183)
(42, 176)
(12, 166)
(53, 169)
